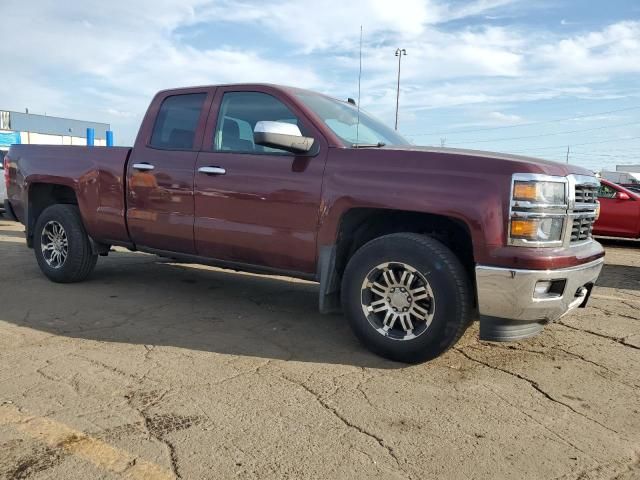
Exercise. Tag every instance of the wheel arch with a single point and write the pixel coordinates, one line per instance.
(41, 196)
(357, 226)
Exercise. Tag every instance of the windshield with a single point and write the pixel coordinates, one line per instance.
(342, 119)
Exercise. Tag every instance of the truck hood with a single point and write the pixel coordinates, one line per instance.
(489, 160)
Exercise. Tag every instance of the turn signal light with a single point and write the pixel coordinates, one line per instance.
(525, 191)
(526, 228)
(537, 229)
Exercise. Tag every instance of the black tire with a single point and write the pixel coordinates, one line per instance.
(447, 278)
(80, 260)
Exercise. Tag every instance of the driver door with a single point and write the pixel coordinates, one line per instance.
(257, 205)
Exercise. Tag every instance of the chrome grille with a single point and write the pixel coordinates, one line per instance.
(586, 194)
(583, 214)
(581, 228)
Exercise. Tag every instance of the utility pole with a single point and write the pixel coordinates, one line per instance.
(26, 110)
(359, 83)
(568, 153)
(399, 53)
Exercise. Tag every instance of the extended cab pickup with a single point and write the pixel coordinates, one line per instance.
(411, 243)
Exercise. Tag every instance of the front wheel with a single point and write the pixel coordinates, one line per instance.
(62, 246)
(407, 297)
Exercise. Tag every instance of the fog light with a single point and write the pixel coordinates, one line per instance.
(541, 289)
(549, 288)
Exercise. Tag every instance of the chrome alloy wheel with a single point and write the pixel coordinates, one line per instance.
(397, 300)
(54, 244)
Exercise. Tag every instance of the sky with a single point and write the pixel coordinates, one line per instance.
(518, 76)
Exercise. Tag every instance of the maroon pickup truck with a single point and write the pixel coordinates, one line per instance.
(411, 243)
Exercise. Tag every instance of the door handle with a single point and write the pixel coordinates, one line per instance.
(143, 166)
(212, 170)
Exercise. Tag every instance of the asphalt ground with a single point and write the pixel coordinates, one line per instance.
(157, 370)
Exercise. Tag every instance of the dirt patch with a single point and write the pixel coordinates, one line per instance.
(27, 464)
(163, 424)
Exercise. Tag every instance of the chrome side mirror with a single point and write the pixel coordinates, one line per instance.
(282, 135)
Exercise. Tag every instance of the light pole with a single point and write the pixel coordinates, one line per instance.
(399, 53)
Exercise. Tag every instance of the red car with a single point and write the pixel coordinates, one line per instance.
(619, 212)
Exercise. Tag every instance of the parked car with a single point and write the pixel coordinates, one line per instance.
(619, 211)
(411, 243)
(634, 187)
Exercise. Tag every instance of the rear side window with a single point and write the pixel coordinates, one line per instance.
(177, 121)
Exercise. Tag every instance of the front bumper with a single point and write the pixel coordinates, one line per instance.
(509, 308)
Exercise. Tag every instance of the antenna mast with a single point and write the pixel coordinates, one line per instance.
(359, 81)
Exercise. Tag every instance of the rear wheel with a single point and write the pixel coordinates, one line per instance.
(407, 297)
(61, 245)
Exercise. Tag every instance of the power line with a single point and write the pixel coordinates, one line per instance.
(455, 132)
(621, 155)
(619, 150)
(610, 153)
(549, 134)
(621, 139)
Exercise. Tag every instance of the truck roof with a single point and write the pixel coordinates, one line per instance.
(276, 86)
(283, 88)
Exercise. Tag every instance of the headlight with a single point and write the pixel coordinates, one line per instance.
(537, 229)
(538, 210)
(552, 193)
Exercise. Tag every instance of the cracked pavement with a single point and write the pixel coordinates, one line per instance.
(152, 369)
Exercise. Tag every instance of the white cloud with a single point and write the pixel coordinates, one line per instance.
(504, 118)
(478, 7)
(120, 113)
(313, 25)
(103, 61)
(613, 50)
(321, 25)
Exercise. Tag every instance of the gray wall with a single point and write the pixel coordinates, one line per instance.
(23, 122)
(628, 168)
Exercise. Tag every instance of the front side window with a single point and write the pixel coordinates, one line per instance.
(177, 121)
(352, 126)
(239, 113)
(606, 191)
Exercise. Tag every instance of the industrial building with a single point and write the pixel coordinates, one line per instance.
(27, 128)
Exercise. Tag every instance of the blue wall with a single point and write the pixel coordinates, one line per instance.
(9, 138)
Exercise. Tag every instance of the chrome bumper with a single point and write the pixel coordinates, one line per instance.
(508, 294)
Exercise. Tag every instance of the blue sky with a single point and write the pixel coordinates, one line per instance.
(529, 77)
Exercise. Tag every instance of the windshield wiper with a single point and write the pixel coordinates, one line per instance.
(368, 145)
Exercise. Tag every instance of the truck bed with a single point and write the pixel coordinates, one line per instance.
(95, 174)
